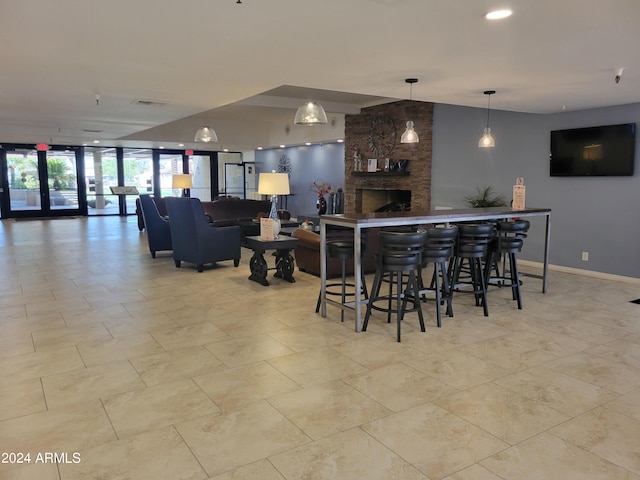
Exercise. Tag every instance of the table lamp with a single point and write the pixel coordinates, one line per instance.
(274, 184)
(183, 181)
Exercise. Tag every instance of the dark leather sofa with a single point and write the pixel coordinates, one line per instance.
(233, 211)
(307, 252)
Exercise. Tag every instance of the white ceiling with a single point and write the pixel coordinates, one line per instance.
(233, 65)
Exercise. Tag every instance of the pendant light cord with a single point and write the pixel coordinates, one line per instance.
(488, 110)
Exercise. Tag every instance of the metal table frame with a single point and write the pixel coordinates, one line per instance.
(360, 221)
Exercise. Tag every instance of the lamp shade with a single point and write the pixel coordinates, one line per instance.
(487, 140)
(273, 184)
(206, 135)
(182, 180)
(310, 113)
(409, 135)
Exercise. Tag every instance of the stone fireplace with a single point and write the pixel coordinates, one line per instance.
(368, 191)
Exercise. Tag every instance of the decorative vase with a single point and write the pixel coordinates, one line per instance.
(321, 205)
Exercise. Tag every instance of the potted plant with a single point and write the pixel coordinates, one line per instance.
(485, 197)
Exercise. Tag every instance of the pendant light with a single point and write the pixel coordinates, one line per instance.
(487, 141)
(206, 135)
(311, 113)
(410, 135)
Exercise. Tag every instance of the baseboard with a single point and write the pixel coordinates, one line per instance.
(579, 271)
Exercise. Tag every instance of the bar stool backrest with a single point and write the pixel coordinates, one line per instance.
(401, 251)
(440, 242)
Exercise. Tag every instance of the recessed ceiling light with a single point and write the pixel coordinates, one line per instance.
(96, 141)
(181, 144)
(161, 147)
(498, 14)
(340, 140)
(308, 144)
(282, 146)
(259, 148)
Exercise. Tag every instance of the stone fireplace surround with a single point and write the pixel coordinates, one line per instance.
(417, 178)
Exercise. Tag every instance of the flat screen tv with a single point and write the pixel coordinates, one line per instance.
(594, 151)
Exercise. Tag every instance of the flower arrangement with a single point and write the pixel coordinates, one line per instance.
(321, 187)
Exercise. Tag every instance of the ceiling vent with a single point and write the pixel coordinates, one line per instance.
(148, 103)
(86, 130)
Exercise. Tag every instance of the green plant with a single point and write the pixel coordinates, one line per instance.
(59, 176)
(485, 197)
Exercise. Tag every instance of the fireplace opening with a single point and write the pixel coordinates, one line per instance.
(385, 200)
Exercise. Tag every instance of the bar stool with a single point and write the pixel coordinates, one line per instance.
(472, 248)
(343, 250)
(400, 253)
(507, 244)
(390, 277)
(439, 249)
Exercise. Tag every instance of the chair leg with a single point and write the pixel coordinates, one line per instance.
(437, 271)
(400, 305)
(515, 279)
(483, 287)
(375, 291)
(343, 291)
(446, 288)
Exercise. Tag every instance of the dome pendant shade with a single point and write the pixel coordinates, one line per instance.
(310, 113)
(409, 135)
(206, 135)
(487, 141)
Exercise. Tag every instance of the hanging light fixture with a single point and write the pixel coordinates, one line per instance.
(487, 141)
(410, 135)
(206, 135)
(311, 113)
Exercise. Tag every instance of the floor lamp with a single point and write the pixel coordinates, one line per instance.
(274, 184)
(183, 181)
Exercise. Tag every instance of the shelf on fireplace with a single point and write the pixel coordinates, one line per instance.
(383, 174)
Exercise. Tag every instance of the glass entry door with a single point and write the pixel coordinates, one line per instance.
(43, 183)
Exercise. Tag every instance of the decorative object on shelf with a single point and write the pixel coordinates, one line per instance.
(311, 113)
(402, 165)
(357, 160)
(485, 198)
(274, 184)
(487, 141)
(338, 207)
(322, 188)
(331, 203)
(410, 135)
(321, 205)
(382, 135)
(206, 135)
(183, 181)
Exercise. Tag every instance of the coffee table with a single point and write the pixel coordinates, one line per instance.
(284, 261)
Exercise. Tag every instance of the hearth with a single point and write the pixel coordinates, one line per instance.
(377, 200)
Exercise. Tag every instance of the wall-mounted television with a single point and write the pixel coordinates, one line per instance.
(594, 151)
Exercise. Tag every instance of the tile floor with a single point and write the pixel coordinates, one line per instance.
(137, 370)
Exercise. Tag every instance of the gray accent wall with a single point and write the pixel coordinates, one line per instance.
(599, 215)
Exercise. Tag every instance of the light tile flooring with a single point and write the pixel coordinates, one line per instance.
(145, 371)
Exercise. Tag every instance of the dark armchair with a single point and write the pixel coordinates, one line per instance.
(195, 240)
(158, 230)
